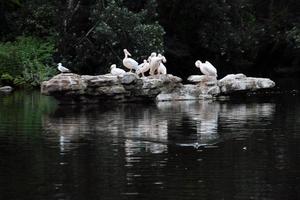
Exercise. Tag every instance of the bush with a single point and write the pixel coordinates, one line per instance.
(6, 79)
(293, 37)
(27, 60)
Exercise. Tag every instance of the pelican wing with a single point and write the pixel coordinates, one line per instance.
(133, 62)
(117, 71)
(210, 68)
(140, 66)
(146, 67)
(162, 69)
(130, 63)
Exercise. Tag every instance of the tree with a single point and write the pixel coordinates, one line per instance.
(111, 28)
(237, 36)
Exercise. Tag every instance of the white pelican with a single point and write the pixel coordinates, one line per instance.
(145, 67)
(155, 63)
(206, 68)
(116, 71)
(162, 69)
(129, 62)
(164, 60)
(139, 67)
(62, 69)
(153, 54)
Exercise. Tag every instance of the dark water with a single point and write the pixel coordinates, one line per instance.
(239, 149)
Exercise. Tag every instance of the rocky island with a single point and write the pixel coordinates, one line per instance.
(70, 88)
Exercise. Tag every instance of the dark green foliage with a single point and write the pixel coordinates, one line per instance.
(237, 36)
(26, 61)
(112, 27)
(117, 28)
(249, 36)
(89, 36)
(293, 36)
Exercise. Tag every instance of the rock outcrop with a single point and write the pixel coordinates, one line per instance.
(71, 88)
(6, 89)
(239, 82)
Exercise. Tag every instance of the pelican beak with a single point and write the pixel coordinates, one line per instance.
(126, 52)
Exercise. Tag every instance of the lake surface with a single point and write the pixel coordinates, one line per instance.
(238, 149)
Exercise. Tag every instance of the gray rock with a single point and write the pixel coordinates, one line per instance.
(129, 78)
(151, 83)
(214, 91)
(64, 83)
(206, 97)
(207, 85)
(202, 79)
(195, 78)
(169, 78)
(110, 90)
(6, 89)
(101, 80)
(189, 92)
(239, 82)
(185, 92)
(72, 88)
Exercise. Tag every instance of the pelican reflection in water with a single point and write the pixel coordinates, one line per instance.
(153, 128)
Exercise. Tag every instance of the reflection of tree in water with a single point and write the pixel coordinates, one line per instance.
(260, 166)
(254, 160)
(134, 150)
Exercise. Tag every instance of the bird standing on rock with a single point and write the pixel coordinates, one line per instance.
(206, 68)
(116, 71)
(162, 68)
(129, 62)
(144, 68)
(153, 54)
(62, 69)
(155, 63)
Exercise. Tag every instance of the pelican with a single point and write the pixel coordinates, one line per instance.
(116, 71)
(155, 63)
(145, 67)
(62, 69)
(139, 66)
(153, 54)
(129, 62)
(164, 60)
(162, 69)
(206, 68)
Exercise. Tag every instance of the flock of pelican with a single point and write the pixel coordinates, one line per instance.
(154, 64)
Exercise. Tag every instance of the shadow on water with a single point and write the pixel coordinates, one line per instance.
(169, 150)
